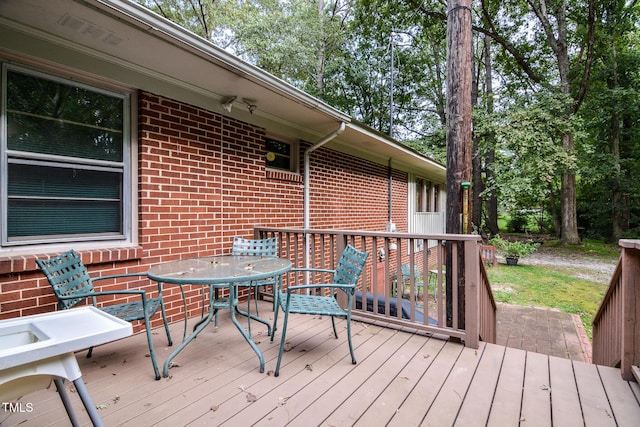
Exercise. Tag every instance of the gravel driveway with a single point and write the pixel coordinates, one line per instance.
(579, 266)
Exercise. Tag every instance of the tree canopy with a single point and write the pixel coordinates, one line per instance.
(556, 90)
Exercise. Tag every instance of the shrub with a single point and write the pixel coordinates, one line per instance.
(515, 249)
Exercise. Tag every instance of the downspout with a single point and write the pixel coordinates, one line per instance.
(307, 180)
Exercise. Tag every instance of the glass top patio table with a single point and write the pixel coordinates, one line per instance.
(227, 271)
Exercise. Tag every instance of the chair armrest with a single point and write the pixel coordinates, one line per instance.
(312, 270)
(116, 276)
(323, 285)
(95, 294)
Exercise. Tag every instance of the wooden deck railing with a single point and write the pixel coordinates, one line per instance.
(417, 299)
(616, 325)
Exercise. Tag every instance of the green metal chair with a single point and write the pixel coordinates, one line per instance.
(345, 278)
(71, 284)
(417, 279)
(256, 247)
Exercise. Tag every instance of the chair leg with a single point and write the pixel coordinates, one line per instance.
(353, 355)
(275, 314)
(152, 352)
(90, 352)
(335, 331)
(282, 341)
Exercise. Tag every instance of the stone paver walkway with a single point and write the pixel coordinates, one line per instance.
(543, 330)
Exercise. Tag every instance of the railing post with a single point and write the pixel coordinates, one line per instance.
(630, 308)
(471, 293)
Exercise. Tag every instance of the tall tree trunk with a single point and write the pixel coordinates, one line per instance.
(491, 200)
(477, 160)
(458, 133)
(569, 224)
(620, 220)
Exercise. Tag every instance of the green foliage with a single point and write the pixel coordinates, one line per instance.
(518, 223)
(513, 249)
(529, 156)
(339, 51)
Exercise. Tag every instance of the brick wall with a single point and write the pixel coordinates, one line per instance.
(201, 181)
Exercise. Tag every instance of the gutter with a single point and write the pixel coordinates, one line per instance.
(307, 180)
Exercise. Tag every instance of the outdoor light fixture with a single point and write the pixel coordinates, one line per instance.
(250, 103)
(228, 103)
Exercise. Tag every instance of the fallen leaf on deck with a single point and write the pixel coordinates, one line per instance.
(102, 406)
(214, 408)
(282, 400)
(309, 367)
(251, 397)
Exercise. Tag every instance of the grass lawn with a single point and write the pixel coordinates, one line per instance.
(547, 287)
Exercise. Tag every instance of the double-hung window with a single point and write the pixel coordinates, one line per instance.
(65, 160)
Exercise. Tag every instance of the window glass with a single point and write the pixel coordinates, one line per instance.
(423, 188)
(50, 117)
(65, 160)
(278, 154)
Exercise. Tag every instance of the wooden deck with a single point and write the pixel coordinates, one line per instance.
(401, 379)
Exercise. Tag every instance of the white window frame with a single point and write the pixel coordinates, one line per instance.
(434, 214)
(128, 235)
(294, 153)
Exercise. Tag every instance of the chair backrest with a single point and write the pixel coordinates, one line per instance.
(406, 271)
(349, 266)
(68, 276)
(260, 247)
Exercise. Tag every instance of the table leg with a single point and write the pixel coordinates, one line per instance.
(250, 316)
(233, 292)
(201, 325)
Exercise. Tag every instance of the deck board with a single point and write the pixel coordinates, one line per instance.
(303, 388)
(445, 407)
(536, 391)
(402, 378)
(349, 384)
(507, 400)
(421, 397)
(373, 386)
(476, 406)
(595, 405)
(392, 397)
(619, 395)
(564, 393)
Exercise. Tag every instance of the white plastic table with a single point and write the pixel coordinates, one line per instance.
(34, 350)
(227, 271)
